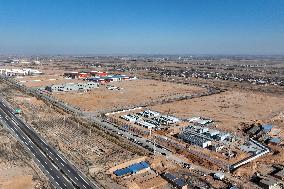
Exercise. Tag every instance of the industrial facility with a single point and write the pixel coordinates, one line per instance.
(202, 136)
(97, 76)
(179, 183)
(132, 169)
(150, 119)
(195, 140)
(72, 87)
(20, 72)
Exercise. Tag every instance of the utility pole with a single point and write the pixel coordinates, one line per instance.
(154, 147)
(64, 122)
(153, 141)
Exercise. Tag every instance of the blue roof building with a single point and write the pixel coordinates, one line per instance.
(132, 169)
(121, 172)
(267, 128)
(275, 140)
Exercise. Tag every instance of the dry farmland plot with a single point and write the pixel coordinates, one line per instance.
(229, 108)
(134, 92)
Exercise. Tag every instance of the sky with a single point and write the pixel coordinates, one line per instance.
(142, 27)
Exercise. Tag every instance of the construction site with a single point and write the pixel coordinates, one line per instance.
(127, 128)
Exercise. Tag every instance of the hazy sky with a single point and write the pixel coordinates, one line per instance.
(142, 26)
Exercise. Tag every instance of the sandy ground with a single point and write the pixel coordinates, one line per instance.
(45, 80)
(133, 93)
(229, 109)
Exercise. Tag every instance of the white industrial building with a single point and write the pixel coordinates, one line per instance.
(195, 140)
(200, 120)
(145, 124)
(212, 133)
(219, 176)
(198, 129)
(72, 87)
(169, 119)
(129, 117)
(222, 136)
(149, 113)
(19, 72)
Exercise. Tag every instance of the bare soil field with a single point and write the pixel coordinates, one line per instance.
(133, 93)
(45, 80)
(228, 109)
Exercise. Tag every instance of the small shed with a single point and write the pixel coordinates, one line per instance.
(269, 183)
(266, 128)
(275, 140)
(219, 176)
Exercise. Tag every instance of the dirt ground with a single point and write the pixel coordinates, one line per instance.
(134, 93)
(45, 80)
(228, 109)
(17, 169)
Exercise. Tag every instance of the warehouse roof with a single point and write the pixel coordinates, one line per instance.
(267, 127)
(138, 166)
(131, 169)
(180, 182)
(121, 172)
(276, 140)
(170, 176)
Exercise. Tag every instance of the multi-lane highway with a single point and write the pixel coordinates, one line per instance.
(62, 173)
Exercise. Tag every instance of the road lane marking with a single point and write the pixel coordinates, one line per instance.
(83, 178)
(62, 159)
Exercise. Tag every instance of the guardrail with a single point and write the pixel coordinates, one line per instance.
(264, 151)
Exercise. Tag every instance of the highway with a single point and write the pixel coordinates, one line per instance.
(62, 173)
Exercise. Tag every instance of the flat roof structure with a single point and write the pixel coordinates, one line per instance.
(132, 169)
(267, 128)
(175, 181)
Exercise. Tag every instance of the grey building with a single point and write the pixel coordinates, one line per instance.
(195, 140)
(268, 183)
(72, 87)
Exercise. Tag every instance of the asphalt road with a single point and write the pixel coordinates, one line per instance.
(62, 172)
